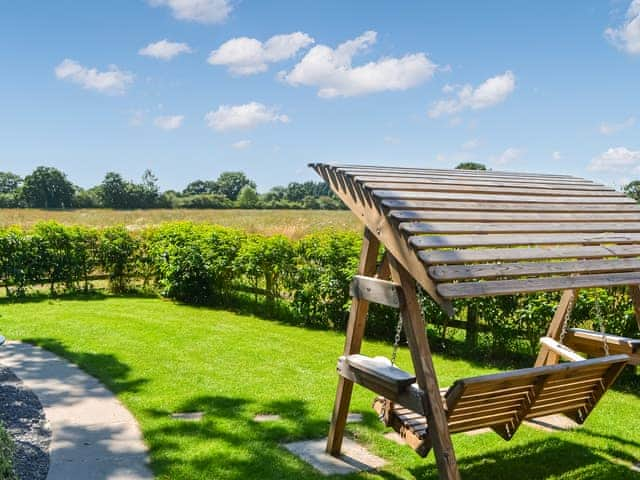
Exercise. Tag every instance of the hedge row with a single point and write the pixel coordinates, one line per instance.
(306, 280)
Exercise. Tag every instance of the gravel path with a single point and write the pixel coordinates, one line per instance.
(23, 417)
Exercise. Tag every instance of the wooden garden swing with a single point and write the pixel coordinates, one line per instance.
(461, 234)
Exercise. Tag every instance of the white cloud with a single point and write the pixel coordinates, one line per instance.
(241, 144)
(491, 92)
(617, 160)
(611, 128)
(248, 56)
(169, 122)
(627, 36)
(331, 70)
(164, 49)
(391, 140)
(112, 81)
(249, 115)
(556, 155)
(509, 155)
(201, 11)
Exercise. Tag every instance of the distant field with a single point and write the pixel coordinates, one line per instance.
(292, 223)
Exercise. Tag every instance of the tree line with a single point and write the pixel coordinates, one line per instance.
(48, 187)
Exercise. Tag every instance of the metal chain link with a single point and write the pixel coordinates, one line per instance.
(567, 319)
(396, 340)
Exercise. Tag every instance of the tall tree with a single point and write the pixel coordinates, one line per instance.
(471, 166)
(47, 187)
(248, 197)
(632, 189)
(230, 183)
(9, 182)
(113, 191)
(201, 187)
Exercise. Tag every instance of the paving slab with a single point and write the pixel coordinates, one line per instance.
(552, 423)
(188, 416)
(266, 417)
(355, 458)
(94, 437)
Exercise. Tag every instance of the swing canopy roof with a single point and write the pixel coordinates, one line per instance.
(472, 233)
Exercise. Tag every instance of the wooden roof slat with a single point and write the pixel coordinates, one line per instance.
(520, 217)
(468, 233)
(467, 206)
(460, 175)
(457, 257)
(428, 187)
(453, 180)
(489, 173)
(528, 285)
(448, 273)
(384, 194)
(516, 227)
(448, 241)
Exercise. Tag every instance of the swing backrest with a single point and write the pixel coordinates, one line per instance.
(502, 401)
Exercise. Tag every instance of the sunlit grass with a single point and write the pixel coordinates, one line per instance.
(161, 357)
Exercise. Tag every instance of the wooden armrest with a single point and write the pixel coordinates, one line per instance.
(562, 350)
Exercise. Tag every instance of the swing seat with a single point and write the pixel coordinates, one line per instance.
(592, 343)
(499, 401)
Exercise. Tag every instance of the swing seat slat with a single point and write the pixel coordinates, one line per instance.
(503, 401)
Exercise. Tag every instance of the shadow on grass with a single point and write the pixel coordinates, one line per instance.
(235, 446)
(105, 367)
(91, 295)
(539, 460)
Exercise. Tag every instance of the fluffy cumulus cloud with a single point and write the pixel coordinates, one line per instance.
(237, 117)
(201, 11)
(332, 72)
(241, 144)
(113, 81)
(169, 122)
(627, 36)
(248, 56)
(611, 128)
(164, 49)
(493, 91)
(617, 160)
(508, 156)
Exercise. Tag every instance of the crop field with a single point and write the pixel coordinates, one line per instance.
(291, 223)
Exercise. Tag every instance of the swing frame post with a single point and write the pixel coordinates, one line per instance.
(415, 331)
(353, 343)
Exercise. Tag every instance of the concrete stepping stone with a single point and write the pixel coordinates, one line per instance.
(188, 416)
(355, 458)
(94, 437)
(266, 417)
(552, 423)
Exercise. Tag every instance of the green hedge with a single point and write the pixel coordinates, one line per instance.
(306, 281)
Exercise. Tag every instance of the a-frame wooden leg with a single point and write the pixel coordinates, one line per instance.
(353, 343)
(634, 293)
(415, 331)
(568, 300)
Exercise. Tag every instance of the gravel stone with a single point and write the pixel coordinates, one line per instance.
(23, 417)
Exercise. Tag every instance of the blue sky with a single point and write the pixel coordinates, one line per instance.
(540, 86)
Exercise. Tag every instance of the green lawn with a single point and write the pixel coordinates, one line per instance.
(161, 357)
